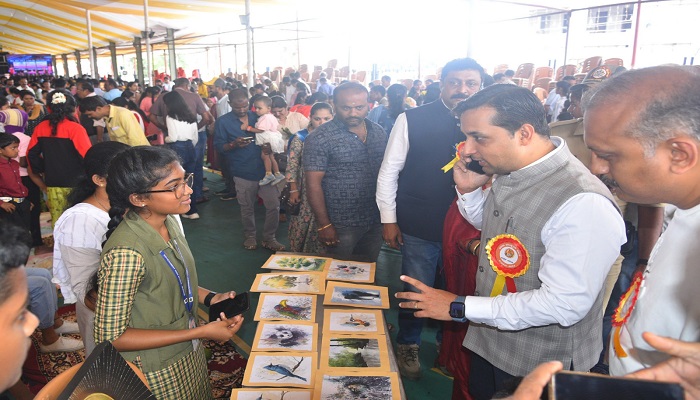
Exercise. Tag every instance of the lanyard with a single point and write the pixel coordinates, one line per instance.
(188, 299)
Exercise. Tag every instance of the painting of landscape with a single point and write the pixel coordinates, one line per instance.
(354, 352)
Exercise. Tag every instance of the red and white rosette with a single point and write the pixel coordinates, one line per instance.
(509, 259)
(623, 312)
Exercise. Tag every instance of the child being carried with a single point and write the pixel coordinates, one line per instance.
(266, 132)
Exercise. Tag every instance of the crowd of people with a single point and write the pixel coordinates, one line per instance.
(549, 232)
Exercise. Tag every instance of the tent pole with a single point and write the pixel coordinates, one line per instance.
(147, 36)
(249, 45)
(636, 35)
(566, 42)
(93, 62)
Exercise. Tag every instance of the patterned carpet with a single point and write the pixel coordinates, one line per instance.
(226, 366)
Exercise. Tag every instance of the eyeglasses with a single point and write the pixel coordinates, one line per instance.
(178, 190)
(456, 83)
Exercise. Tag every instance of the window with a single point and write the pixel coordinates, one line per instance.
(611, 18)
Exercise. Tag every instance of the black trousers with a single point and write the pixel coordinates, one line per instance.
(485, 379)
(34, 198)
(19, 217)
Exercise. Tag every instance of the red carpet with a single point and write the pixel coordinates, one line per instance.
(226, 366)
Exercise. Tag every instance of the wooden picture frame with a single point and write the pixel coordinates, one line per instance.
(290, 282)
(271, 394)
(285, 306)
(291, 369)
(367, 353)
(286, 336)
(353, 295)
(297, 263)
(380, 385)
(351, 271)
(353, 321)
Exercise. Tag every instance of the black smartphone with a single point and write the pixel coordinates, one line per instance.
(230, 307)
(474, 166)
(568, 385)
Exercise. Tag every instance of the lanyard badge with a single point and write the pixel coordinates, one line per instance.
(188, 297)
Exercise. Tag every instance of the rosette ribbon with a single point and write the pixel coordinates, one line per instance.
(509, 259)
(452, 163)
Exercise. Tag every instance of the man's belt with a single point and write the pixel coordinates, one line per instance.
(12, 199)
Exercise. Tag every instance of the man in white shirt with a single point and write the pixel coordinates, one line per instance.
(550, 232)
(646, 145)
(413, 193)
(167, 83)
(23, 85)
(554, 97)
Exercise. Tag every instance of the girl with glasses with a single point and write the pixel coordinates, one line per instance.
(148, 292)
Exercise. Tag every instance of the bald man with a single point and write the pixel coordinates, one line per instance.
(643, 128)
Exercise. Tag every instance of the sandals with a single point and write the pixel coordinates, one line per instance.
(273, 245)
(250, 244)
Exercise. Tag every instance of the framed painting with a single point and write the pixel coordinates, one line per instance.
(348, 294)
(286, 336)
(337, 320)
(280, 370)
(271, 394)
(290, 282)
(297, 262)
(356, 385)
(354, 353)
(351, 271)
(295, 307)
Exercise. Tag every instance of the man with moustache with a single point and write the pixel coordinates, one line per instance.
(643, 127)
(414, 194)
(245, 164)
(341, 161)
(550, 232)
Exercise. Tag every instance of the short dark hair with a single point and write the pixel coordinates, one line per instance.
(461, 64)
(379, 88)
(112, 82)
(498, 76)
(15, 243)
(349, 86)
(278, 102)
(563, 85)
(59, 83)
(181, 82)
(515, 106)
(91, 103)
(238, 94)
(86, 85)
(7, 139)
(386, 78)
(509, 72)
(568, 78)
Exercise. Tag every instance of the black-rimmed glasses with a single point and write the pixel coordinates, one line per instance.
(178, 190)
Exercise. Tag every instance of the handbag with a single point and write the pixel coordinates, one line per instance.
(292, 209)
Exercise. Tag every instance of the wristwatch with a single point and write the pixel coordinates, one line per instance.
(457, 309)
